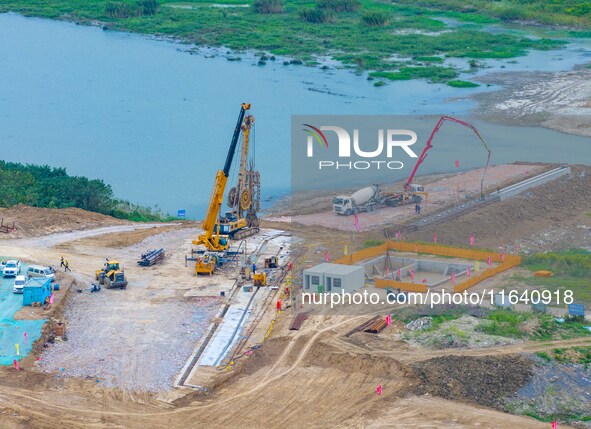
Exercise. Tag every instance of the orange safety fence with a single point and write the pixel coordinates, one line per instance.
(405, 286)
(509, 263)
(505, 262)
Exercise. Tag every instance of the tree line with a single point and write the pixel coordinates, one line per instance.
(50, 187)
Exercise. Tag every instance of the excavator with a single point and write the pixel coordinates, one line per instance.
(244, 199)
(211, 238)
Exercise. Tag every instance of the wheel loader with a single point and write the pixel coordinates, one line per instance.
(111, 276)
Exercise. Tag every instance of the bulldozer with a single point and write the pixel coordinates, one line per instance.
(111, 275)
(259, 279)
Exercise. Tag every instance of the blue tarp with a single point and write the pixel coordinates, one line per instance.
(12, 331)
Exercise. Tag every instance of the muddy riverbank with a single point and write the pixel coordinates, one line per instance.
(560, 101)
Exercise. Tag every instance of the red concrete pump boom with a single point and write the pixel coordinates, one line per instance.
(429, 145)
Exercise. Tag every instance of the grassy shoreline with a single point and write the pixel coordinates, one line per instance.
(394, 40)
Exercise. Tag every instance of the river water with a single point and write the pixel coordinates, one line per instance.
(155, 121)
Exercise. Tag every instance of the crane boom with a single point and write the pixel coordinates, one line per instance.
(429, 145)
(212, 241)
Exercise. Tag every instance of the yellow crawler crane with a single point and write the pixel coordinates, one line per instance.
(214, 242)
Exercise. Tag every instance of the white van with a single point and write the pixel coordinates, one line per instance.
(39, 271)
(19, 283)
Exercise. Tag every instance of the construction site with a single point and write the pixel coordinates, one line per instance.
(205, 324)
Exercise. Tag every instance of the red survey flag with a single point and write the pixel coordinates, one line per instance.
(388, 320)
(51, 299)
(502, 256)
(398, 274)
(16, 365)
(554, 425)
(469, 272)
(435, 237)
(379, 390)
(356, 222)
(472, 239)
(26, 339)
(398, 235)
(412, 275)
(457, 163)
(453, 278)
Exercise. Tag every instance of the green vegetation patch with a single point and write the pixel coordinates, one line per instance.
(429, 59)
(372, 243)
(433, 73)
(462, 84)
(512, 324)
(562, 12)
(571, 268)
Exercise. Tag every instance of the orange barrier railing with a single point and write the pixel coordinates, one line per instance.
(405, 286)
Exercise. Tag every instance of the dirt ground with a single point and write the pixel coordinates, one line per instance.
(552, 216)
(442, 192)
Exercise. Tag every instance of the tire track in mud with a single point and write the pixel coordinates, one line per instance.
(23, 395)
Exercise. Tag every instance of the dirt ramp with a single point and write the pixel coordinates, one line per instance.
(36, 221)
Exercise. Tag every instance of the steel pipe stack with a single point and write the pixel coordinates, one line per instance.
(151, 257)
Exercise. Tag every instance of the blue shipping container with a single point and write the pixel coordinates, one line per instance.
(36, 290)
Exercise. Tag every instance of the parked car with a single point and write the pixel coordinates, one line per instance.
(12, 268)
(19, 283)
(39, 271)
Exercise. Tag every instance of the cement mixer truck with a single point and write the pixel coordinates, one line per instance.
(364, 200)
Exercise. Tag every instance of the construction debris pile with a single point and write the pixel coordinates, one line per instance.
(151, 257)
(421, 323)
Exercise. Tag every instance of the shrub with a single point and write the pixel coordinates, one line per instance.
(375, 19)
(316, 16)
(120, 10)
(340, 5)
(268, 6)
(148, 7)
